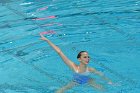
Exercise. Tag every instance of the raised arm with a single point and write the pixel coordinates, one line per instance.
(68, 62)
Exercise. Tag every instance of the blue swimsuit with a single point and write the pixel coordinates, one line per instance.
(81, 78)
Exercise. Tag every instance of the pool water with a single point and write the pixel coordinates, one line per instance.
(108, 30)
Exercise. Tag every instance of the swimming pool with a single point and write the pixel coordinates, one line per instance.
(108, 30)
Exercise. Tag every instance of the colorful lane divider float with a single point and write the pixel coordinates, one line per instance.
(50, 32)
(44, 18)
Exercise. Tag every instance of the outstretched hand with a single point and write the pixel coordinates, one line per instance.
(43, 37)
(110, 82)
(114, 84)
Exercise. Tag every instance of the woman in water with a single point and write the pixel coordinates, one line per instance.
(82, 71)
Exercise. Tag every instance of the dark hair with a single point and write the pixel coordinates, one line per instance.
(79, 54)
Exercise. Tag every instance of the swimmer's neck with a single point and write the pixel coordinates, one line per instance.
(82, 67)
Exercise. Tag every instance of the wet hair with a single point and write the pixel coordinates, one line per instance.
(79, 54)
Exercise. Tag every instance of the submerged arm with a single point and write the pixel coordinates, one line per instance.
(101, 75)
(58, 50)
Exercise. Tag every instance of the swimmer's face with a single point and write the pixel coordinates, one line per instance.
(84, 58)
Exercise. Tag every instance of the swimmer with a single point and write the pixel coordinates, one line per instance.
(81, 71)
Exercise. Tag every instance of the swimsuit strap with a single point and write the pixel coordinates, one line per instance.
(77, 69)
(84, 72)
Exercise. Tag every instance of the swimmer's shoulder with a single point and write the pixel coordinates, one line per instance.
(75, 67)
(90, 69)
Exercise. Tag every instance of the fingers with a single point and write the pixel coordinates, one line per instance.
(41, 35)
(110, 83)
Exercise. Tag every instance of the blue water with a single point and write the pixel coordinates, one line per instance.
(108, 30)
